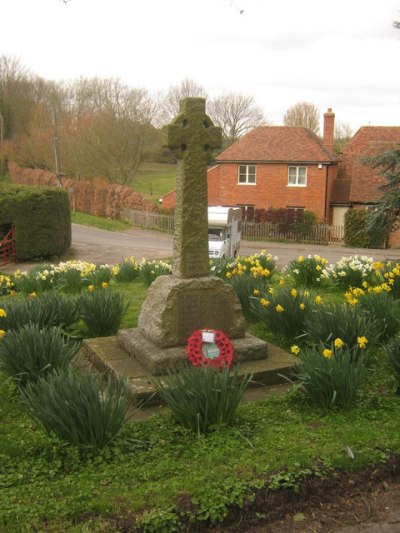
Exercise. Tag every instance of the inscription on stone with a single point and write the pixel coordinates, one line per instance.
(199, 309)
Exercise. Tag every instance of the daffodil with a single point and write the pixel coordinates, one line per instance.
(279, 309)
(327, 353)
(362, 342)
(338, 343)
(104, 284)
(256, 292)
(264, 302)
(318, 299)
(2, 333)
(295, 349)
(302, 306)
(3, 313)
(91, 288)
(293, 292)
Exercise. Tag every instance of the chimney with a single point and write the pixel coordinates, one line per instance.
(329, 128)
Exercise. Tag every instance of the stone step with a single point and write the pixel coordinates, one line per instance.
(106, 355)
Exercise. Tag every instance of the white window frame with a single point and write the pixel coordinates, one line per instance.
(248, 175)
(297, 177)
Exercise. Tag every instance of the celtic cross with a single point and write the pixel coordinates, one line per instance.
(192, 137)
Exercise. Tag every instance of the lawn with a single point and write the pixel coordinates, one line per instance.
(157, 475)
(154, 179)
(99, 222)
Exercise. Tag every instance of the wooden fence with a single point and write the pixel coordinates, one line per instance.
(318, 234)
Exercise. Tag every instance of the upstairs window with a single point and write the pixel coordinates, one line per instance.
(247, 174)
(297, 176)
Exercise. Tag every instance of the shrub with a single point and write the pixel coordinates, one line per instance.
(391, 275)
(127, 270)
(392, 350)
(41, 217)
(284, 310)
(342, 321)
(201, 398)
(6, 285)
(306, 271)
(351, 272)
(79, 409)
(382, 307)
(37, 280)
(150, 270)
(99, 276)
(48, 309)
(103, 311)
(32, 352)
(246, 287)
(356, 232)
(331, 376)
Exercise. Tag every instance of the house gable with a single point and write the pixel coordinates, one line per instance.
(364, 180)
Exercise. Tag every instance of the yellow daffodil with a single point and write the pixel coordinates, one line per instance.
(279, 309)
(300, 259)
(2, 333)
(32, 294)
(362, 342)
(282, 282)
(104, 284)
(264, 302)
(302, 306)
(295, 349)
(338, 343)
(3, 313)
(327, 353)
(256, 292)
(318, 299)
(293, 292)
(91, 288)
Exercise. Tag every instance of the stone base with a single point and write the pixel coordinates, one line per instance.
(175, 307)
(159, 360)
(107, 356)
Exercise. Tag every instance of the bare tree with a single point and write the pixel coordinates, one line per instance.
(342, 135)
(16, 95)
(236, 114)
(303, 114)
(169, 103)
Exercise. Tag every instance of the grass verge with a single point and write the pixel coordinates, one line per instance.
(99, 222)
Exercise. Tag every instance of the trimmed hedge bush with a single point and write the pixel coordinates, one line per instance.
(41, 217)
(355, 233)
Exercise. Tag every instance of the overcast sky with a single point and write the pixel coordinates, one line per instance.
(342, 54)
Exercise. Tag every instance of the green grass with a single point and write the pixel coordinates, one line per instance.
(154, 179)
(50, 486)
(99, 222)
(275, 443)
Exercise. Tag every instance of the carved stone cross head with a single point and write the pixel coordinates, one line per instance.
(192, 132)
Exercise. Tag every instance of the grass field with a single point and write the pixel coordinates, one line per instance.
(154, 179)
(99, 222)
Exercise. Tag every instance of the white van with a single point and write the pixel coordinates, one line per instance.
(224, 231)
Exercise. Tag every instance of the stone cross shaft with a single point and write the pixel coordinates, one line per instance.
(192, 137)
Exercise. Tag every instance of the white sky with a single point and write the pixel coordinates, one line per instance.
(343, 54)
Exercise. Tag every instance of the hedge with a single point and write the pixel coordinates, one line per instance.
(355, 233)
(41, 218)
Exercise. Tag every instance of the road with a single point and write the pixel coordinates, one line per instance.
(109, 247)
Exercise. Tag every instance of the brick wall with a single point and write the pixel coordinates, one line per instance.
(271, 189)
(95, 197)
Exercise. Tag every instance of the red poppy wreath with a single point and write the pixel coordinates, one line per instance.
(218, 353)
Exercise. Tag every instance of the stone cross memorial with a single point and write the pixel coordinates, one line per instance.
(192, 138)
(189, 299)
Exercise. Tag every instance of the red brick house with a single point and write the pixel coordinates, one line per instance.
(357, 184)
(275, 166)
